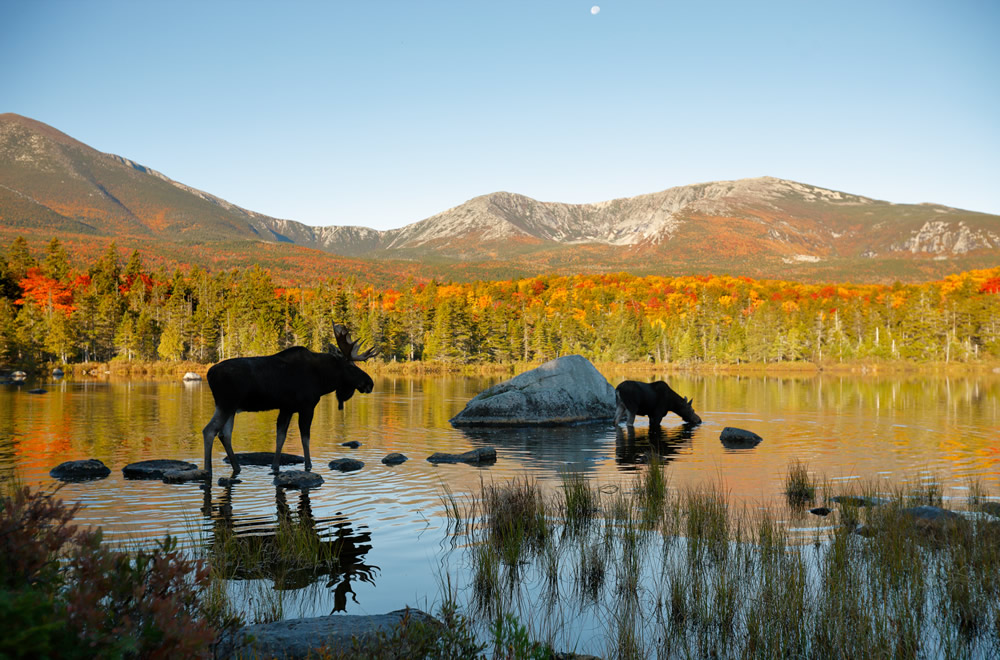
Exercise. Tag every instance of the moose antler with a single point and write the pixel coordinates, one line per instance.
(350, 349)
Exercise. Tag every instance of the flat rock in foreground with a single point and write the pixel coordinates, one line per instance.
(84, 470)
(155, 468)
(301, 638)
(480, 455)
(567, 390)
(265, 458)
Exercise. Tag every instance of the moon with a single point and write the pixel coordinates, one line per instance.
(595, 10)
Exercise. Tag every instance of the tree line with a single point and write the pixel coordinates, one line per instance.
(118, 310)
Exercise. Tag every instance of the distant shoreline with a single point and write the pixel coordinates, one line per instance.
(171, 370)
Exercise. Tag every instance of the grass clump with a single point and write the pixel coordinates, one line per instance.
(800, 486)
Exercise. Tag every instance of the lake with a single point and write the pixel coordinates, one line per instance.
(898, 430)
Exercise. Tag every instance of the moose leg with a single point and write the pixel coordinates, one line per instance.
(284, 419)
(654, 421)
(630, 419)
(211, 430)
(305, 422)
(226, 436)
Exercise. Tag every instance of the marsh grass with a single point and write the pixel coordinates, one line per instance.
(800, 486)
(731, 582)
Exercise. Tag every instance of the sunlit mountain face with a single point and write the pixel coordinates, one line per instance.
(54, 186)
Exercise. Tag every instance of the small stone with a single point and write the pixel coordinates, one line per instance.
(84, 470)
(298, 479)
(857, 500)
(734, 438)
(191, 376)
(38, 390)
(346, 464)
(820, 511)
(480, 455)
(394, 458)
(155, 468)
(184, 476)
(229, 481)
(353, 444)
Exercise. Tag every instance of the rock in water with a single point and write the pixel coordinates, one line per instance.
(566, 390)
(298, 479)
(734, 438)
(346, 464)
(480, 455)
(154, 469)
(394, 458)
(265, 458)
(184, 476)
(84, 470)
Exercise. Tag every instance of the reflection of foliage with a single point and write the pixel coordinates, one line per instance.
(195, 315)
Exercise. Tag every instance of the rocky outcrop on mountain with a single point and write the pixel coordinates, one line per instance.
(943, 237)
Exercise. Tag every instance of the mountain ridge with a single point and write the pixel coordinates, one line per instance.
(766, 225)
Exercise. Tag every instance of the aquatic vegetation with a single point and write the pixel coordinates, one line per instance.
(732, 582)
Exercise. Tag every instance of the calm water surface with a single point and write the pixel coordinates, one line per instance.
(391, 520)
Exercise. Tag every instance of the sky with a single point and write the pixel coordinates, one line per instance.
(381, 113)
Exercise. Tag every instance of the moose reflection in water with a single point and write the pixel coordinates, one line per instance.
(665, 444)
(293, 552)
(292, 381)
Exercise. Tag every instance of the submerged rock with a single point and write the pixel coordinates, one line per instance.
(84, 470)
(293, 639)
(155, 468)
(734, 438)
(298, 479)
(858, 500)
(394, 458)
(265, 458)
(353, 444)
(229, 481)
(346, 464)
(184, 476)
(566, 390)
(38, 390)
(820, 511)
(481, 455)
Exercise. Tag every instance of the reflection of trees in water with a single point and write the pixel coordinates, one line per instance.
(294, 551)
(633, 448)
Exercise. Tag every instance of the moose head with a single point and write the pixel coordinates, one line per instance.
(292, 381)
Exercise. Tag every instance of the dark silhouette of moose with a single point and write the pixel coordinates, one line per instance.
(292, 381)
(654, 400)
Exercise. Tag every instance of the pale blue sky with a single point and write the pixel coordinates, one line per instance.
(383, 113)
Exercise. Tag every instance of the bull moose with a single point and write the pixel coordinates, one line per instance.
(292, 381)
(654, 400)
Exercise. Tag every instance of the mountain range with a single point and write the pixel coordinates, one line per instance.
(52, 185)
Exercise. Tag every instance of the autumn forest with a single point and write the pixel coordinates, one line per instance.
(116, 310)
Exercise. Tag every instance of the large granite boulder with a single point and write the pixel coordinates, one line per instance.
(566, 390)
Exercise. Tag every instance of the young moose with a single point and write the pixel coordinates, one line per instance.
(654, 400)
(291, 381)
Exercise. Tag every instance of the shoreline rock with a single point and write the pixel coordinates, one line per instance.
(295, 639)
